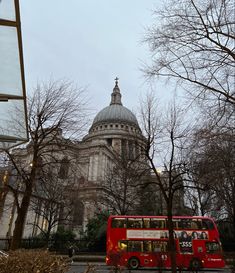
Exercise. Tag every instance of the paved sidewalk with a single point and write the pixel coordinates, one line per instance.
(87, 258)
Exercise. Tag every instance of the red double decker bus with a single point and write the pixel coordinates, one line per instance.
(142, 241)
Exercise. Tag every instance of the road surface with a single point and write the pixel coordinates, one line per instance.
(102, 268)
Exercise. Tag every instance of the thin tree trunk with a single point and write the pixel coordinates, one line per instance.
(172, 248)
(20, 220)
(23, 209)
(234, 223)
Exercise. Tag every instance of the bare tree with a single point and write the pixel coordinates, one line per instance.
(150, 201)
(198, 194)
(213, 160)
(53, 107)
(120, 189)
(52, 202)
(166, 140)
(193, 43)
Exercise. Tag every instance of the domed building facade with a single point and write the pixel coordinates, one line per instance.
(114, 133)
(99, 173)
(82, 170)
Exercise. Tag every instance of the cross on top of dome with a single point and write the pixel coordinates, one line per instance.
(116, 81)
(116, 95)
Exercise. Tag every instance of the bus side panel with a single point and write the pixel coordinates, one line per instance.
(214, 261)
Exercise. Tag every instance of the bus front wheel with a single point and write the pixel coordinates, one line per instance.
(195, 264)
(133, 263)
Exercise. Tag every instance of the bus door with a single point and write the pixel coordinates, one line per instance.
(160, 253)
(214, 257)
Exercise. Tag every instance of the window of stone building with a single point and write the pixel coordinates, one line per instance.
(39, 166)
(64, 168)
(124, 150)
(111, 126)
(116, 125)
(78, 213)
(137, 149)
(131, 150)
(110, 141)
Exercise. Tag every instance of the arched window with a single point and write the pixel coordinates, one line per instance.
(78, 213)
(64, 168)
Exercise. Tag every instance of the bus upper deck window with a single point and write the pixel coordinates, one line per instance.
(146, 222)
(175, 223)
(199, 224)
(184, 223)
(207, 224)
(195, 224)
(158, 223)
(134, 223)
(118, 223)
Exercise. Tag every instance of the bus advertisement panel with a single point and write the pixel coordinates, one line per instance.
(142, 241)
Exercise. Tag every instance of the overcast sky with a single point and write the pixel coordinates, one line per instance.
(89, 42)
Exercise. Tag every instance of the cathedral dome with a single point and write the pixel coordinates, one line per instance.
(115, 112)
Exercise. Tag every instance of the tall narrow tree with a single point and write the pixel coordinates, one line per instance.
(52, 107)
(166, 140)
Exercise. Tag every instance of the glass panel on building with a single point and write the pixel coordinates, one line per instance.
(10, 73)
(7, 10)
(12, 123)
(13, 113)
